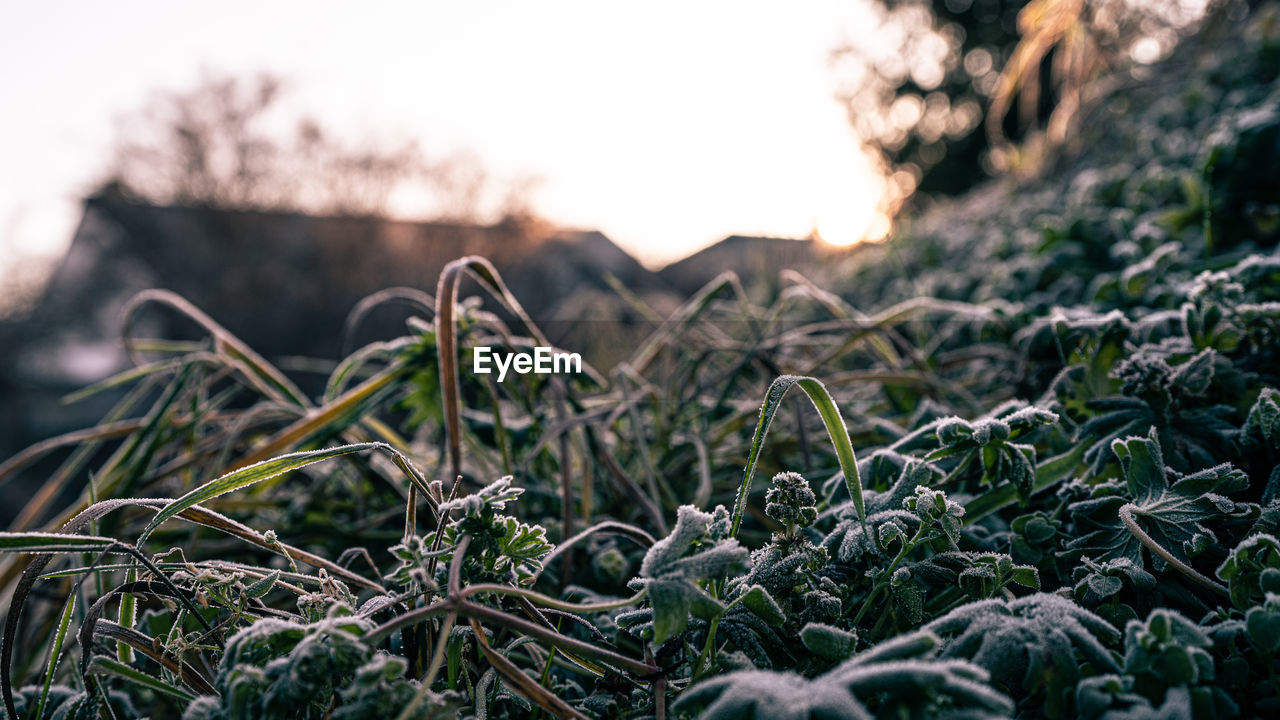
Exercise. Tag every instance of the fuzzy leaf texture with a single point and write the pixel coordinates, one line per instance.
(675, 566)
(1172, 508)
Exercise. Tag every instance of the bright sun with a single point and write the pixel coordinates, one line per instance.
(847, 224)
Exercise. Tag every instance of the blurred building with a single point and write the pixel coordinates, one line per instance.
(285, 283)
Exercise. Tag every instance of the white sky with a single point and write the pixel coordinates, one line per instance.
(666, 125)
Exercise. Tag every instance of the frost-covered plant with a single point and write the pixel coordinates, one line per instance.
(791, 502)
(1168, 651)
(277, 669)
(1100, 585)
(503, 549)
(1116, 397)
(992, 443)
(677, 570)
(1252, 570)
(897, 679)
(1160, 389)
(1157, 508)
(1040, 645)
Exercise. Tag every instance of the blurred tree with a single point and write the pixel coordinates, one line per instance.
(931, 90)
(229, 143)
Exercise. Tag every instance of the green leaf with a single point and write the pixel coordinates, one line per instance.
(836, 430)
(250, 475)
(1026, 576)
(262, 586)
(1170, 507)
(1263, 421)
(759, 601)
(1263, 624)
(828, 641)
(674, 566)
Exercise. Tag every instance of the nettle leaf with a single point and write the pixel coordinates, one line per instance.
(1169, 506)
(1263, 422)
(1096, 581)
(990, 442)
(907, 595)
(261, 587)
(503, 549)
(828, 641)
(759, 601)
(884, 534)
(1252, 570)
(1040, 641)
(894, 679)
(937, 513)
(674, 567)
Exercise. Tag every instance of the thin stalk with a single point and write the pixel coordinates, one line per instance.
(555, 639)
(551, 602)
(706, 648)
(1126, 517)
(882, 584)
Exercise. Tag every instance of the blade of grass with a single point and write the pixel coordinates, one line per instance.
(106, 666)
(836, 430)
(252, 474)
(526, 686)
(44, 546)
(411, 297)
(261, 373)
(55, 653)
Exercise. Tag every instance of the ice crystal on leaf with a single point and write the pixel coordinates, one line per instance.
(503, 549)
(674, 567)
(991, 441)
(1039, 642)
(1170, 507)
(897, 679)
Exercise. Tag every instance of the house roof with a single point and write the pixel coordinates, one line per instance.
(284, 282)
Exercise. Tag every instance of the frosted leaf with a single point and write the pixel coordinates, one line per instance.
(1169, 506)
(674, 566)
(1027, 642)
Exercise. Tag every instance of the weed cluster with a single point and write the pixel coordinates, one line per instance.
(1064, 500)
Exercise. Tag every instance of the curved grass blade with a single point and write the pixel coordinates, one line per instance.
(261, 373)
(252, 474)
(836, 429)
(407, 296)
(447, 341)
